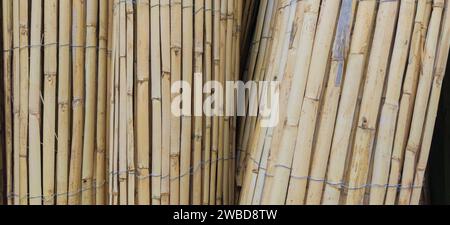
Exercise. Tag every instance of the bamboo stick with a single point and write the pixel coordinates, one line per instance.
(221, 79)
(100, 149)
(3, 169)
(131, 199)
(16, 101)
(166, 100)
(199, 15)
(142, 102)
(50, 84)
(155, 58)
(34, 149)
(186, 122)
(175, 122)
(227, 106)
(91, 104)
(215, 122)
(64, 95)
(208, 120)
(78, 42)
(7, 13)
(422, 100)
(121, 90)
(23, 112)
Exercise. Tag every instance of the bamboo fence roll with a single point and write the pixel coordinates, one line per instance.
(112, 102)
(353, 127)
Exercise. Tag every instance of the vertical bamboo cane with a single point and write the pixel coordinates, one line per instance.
(215, 122)
(7, 78)
(100, 150)
(23, 113)
(175, 122)
(50, 83)
(34, 149)
(198, 100)
(142, 102)
(122, 108)
(91, 90)
(64, 90)
(208, 61)
(16, 101)
(220, 155)
(423, 93)
(388, 119)
(166, 101)
(186, 120)
(155, 60)
(129, 104)
(78, 42)
(3, 169)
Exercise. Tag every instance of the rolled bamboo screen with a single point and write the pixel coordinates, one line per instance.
(89, 86)
(359, 95)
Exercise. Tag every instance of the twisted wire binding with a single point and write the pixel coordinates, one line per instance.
(191, 171)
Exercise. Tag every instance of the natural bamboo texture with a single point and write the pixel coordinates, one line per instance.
(88, 88)
(89, 93)
(358, 101)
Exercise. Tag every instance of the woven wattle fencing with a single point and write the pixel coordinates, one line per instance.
(90, 88)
